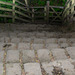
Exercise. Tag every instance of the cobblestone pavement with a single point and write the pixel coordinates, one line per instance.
(36, 53)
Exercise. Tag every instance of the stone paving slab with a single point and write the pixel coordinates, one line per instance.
(1, 68)
(71, 51)
(32, 69)
(2, 39)
(12, 56)
(59, 54)
(40, 34)
(73, 45)
(71, 40)
(7, 39)
(1, 46)
(65, 65)
(26, 40)
(1, 56)
(62, 40)
(24, 46)
(51, 34)
(37, 46)
(39, 40)
(28, 56)
(51, 40)
(15, 40)
(64, 45)
(52, 46)
(43, 55)
(10, 46)
(13, 69)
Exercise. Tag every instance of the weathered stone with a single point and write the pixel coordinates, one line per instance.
(1, 46)
(38, 40)
(11, 46)
(15, 40)
(37, 46)
(26, 40)
(1, 68)
(52, 46)
(73, 45)
(7, 40)
(32, 69)
(71, 51)
(64, 45)
(51, 34)
(1, 56)
(71, 40)
(12, 56)
(51, 40)
(24, 46)
(59, 54)
(13, 69)
(43, 55)
(62, 40)
(40, 34)
(28, 56)
(65, 65)
(2, 39)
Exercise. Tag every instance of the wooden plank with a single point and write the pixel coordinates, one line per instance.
(22, 14)
(33, 15)
(60, 7)
(5, 9)
(26, 2)
(58, 15)
(2, 15)
(1, 2)
(47, 11)
(22, 19)
(23, 9)
(20, 3)
(13, 20)
(68, 9)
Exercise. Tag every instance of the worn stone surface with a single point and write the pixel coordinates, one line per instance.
(40, 34)
(65, 65)
(73, 45)
(7, 40)
(12, 56)
(72, 40)
(13, 69)
(28, 56)
(1, 56)
(52, 46)
(1, 46)
(59, 54)
(62, 40)
(71, 52)
(51, 40)
(64, 45)
(1, 39)
(32, 69)
(1, 68)
(37, 46)
(43, 55)
(15, 40)
(38, 40)
(26, 40)
(24, 46)
(12, 46)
